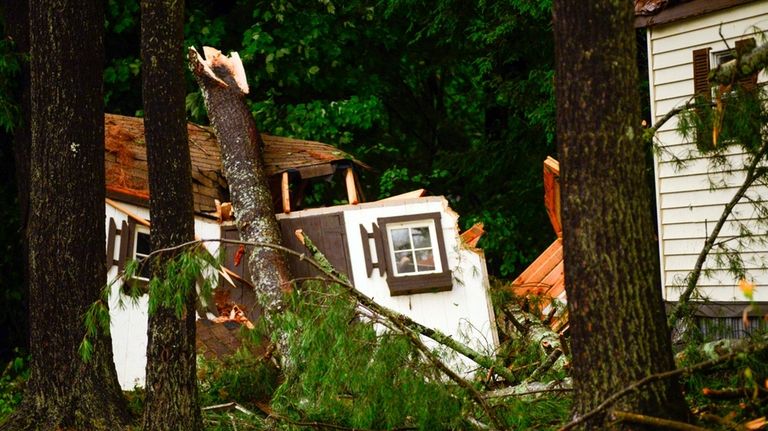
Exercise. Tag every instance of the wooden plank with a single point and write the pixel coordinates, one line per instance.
(351, 189)
(286, 193)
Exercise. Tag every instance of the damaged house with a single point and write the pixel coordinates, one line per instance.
(686, 40)
(404, 252)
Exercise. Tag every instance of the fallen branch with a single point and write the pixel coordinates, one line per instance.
(655, 421)
(531, 388)
(660, 376)
(753, 173)
(336, 277)
(545, 366)
(399, 321)
(227, 406)
(746, 65)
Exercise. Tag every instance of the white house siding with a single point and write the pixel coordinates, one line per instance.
(687, 207)
(129, 321)
(464, 312)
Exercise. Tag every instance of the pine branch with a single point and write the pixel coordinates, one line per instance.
(655, 421)
(744, 66)
(753, 173)
(341, 279)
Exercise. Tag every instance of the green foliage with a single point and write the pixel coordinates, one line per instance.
(12, 380)
(180, 276)
(9, 69)
(245, 378)
(745, 377)
(343, 370)
(737, 119)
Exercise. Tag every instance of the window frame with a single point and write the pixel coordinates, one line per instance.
(140, 257)
(404, 284)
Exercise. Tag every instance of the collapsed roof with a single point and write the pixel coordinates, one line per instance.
(126, 161)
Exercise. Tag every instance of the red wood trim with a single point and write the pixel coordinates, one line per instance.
(686, 10)
(701, 71)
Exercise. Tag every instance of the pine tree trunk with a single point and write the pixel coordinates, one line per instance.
(618, 328)
(171, 401)
(66, 223)
(224, 88)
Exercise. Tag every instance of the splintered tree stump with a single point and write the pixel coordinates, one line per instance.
(222, 80)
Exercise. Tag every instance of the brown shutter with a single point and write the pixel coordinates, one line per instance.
(328, 234)
(366, 236)
(701, 71)
(126, 244)
(743, 46)
(111, 233)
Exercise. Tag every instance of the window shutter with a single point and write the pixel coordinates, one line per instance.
(748, 83)
(701, 71)
(126, 244)
(111, 233)
(369, 263)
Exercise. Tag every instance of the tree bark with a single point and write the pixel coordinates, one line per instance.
(171, 401)
(224, 88)
(66, 223)
(618, 328)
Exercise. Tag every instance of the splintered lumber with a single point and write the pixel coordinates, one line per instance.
(222, 80)
(286, 193)
(351, 187)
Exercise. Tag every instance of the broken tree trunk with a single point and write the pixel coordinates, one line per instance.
(222, 80)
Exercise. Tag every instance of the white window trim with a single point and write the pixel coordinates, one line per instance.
(434, 246)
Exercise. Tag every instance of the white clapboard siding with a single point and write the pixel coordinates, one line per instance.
(688, 202)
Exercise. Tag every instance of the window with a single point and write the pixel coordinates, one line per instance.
(414, 254)
(142, 249)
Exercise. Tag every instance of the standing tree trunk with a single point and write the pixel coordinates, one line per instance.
(224, 86)
(619, 333)
(66, 223)
(171, 400)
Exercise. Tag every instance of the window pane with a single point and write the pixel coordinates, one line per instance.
(400, 239)
(421, 237)
(142, 244)
(144, 270)
(404, 262)
(425, 260)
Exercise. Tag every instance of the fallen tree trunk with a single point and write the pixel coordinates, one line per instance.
(222, 80)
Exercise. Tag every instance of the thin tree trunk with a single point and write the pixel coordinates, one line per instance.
(618, 328)
(171, 401)
(66, 224)
(224, 88)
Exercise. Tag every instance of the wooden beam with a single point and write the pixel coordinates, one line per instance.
(286, 193)
(351, 189)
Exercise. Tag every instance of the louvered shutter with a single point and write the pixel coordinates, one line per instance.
(126, 244)
(701, 71)
(111, 233)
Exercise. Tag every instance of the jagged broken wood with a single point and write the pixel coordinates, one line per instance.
(224, 86)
